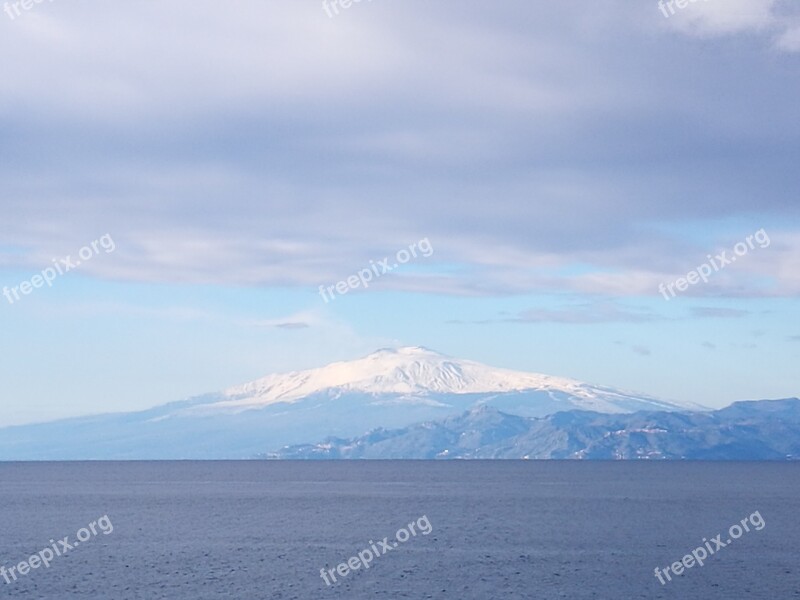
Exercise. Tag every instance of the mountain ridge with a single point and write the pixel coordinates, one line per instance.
(749, 430)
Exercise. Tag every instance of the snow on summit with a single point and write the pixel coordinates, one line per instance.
(407, 370)
(413, 371)
(389, 389)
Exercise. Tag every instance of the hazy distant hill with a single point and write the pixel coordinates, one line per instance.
(763, 430)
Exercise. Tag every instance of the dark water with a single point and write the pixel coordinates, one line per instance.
(252, 530)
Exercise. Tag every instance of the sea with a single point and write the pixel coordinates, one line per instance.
(442, 530)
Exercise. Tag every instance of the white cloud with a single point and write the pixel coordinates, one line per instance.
(715, 18)
(722, 17)
(789, 40)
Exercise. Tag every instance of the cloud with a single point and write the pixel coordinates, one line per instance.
(715, 18)
(639, 349)
(592, 312)
(710, 312)
(292, 325)
(528, 150)
(299, 320)
(789, 40)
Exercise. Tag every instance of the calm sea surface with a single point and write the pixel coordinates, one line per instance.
(253, 530)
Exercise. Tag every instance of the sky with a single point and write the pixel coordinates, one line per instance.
(520, 181)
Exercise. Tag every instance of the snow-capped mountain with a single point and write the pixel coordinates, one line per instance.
(409, 370)
(417, 373)
(390, 388)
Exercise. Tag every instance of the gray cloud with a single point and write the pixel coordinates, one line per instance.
(270, 145)
(711, 312)
(592, 312)
(292, 325)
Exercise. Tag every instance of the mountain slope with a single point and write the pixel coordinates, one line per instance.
(389, 388)
(764, 430)
(415, 373)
